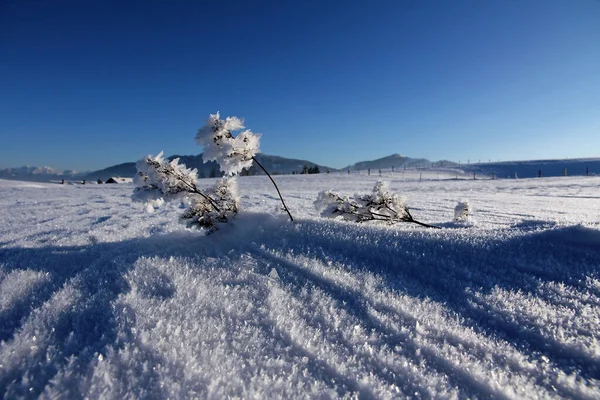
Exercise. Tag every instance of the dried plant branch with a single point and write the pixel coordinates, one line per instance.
(381, 205)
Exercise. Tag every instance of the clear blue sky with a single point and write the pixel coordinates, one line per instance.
(86, 84)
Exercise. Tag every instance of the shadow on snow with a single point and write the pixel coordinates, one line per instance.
(424, 264)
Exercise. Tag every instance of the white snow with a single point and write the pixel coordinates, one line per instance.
(101, 299)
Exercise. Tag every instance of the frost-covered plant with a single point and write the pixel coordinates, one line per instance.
(232, 153)
(380, 205)
(462, 211)
(200, 211)
(160, 179)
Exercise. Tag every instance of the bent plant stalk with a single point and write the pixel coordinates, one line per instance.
(374, 216)
(414, 221)
(230, 135)
(276, 188)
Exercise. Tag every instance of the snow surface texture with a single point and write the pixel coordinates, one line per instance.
(99, 298)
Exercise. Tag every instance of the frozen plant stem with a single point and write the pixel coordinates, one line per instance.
(414, 221)
(232, 153)
(229, 135)
(374, 211)
(276, 188)
(193, 188)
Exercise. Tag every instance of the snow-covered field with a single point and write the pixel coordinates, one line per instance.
(99, 298)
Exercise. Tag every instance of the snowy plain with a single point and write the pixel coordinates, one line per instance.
(100, 298)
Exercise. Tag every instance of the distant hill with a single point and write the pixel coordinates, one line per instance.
(39, 174)
(281, 165)
(273, 164)
(396, 161)
(531, 169)
(501, 169)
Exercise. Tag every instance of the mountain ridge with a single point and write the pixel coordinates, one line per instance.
(395, 161)
(281, 165)
(39, 174)
(274, 164)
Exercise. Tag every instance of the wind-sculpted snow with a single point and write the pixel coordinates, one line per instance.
(101, 299)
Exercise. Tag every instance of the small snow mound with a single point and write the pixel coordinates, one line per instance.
(462, 211)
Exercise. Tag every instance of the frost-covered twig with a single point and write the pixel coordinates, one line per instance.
(232, 153)
(199, 213)
(159, 179)
(156, 177)
(381, 205)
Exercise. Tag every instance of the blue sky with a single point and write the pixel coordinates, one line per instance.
(86, 84)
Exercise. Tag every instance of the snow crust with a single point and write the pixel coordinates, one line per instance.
(101, 299)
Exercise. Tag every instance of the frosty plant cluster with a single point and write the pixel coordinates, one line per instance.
(159, 180)
(462, 211)
(233, 154)
(380, 205)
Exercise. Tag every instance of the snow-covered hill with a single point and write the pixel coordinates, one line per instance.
(533, 168)
(101, 299)
(38, 174)
(395, 161)
(499, 170)
(280, 165)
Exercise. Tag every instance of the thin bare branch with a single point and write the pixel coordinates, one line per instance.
(276, 188)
